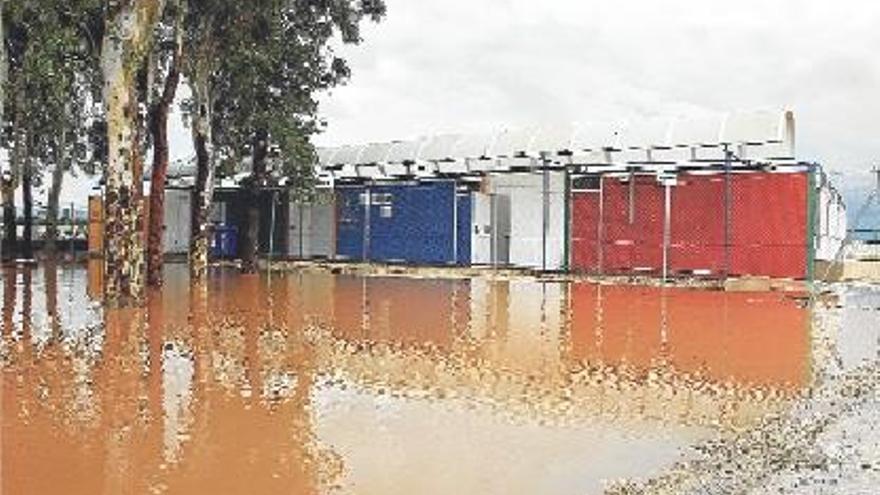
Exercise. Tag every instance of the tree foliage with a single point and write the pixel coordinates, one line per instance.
(52, 50)
(277, 56)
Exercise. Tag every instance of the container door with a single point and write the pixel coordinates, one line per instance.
(481, 229)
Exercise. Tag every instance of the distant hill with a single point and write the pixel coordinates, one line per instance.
(855, 195)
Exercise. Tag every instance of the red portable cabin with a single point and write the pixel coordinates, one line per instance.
(742, 223)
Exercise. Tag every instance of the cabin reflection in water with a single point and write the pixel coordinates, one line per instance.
(310, 380)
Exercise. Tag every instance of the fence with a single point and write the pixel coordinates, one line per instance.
(705, 224)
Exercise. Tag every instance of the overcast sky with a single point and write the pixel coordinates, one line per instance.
(471, 65)
(461, 65)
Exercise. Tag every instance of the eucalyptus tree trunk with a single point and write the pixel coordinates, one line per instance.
(159, 128)
(9, 185)
(53, 203)
(7, 188)
(204, 186)
(127, 39)
(27, 197)
(27, 200)
(251, 239)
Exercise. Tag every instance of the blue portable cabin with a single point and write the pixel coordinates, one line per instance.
(418, 222)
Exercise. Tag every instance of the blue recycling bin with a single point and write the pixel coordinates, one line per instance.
(225, 242)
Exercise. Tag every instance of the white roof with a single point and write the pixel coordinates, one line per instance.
(513, 141)
(646, 133)
(404, 151)
(758, 127)
(348, 154)
(553, 138)
(697, 131)
(325, 155)
(474, 145)
(596, 136)
(375, 153)
(440, 147)
(767, 134)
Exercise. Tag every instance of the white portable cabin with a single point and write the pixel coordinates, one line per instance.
(537, 217)
(177, 221)
(312, 232)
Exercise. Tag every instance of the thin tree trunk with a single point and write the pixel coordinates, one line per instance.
(53, 203)
(251, 240)
(10, 184)
(204, 187)
(159, 127)
(27, 199)
(9, 235)
(126, 42)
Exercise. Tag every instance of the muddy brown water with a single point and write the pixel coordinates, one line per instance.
(310, 382)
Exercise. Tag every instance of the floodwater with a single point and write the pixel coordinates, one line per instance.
(313, 382)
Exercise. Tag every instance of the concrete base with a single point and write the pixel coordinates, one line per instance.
(864, 271)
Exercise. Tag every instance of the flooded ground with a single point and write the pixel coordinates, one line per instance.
(313, 382)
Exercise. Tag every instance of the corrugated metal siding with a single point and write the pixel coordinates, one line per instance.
(633, 225)
(769, 224)
(697, 224)
(585, 231)
(417, 226)
(767, 235)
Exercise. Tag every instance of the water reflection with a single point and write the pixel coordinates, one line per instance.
(315, 381)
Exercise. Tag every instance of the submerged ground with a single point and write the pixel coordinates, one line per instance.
(313, 382)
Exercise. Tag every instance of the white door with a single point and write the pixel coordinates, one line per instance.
(481, 229)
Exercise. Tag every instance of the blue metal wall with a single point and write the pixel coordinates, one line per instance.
(410, 222)
(419, 228)
(465, 225)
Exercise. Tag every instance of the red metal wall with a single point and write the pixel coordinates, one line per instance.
(636, 244)
(769, 225)
(697, 224)
(585, 231)
(768, 229)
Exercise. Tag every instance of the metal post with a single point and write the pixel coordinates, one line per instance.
(454, 225)
(567, 229)
(368, 201)
(600, 229)
(301, 234)
(545, 214)
(667, 229)
(493, 210)
(727, 206)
